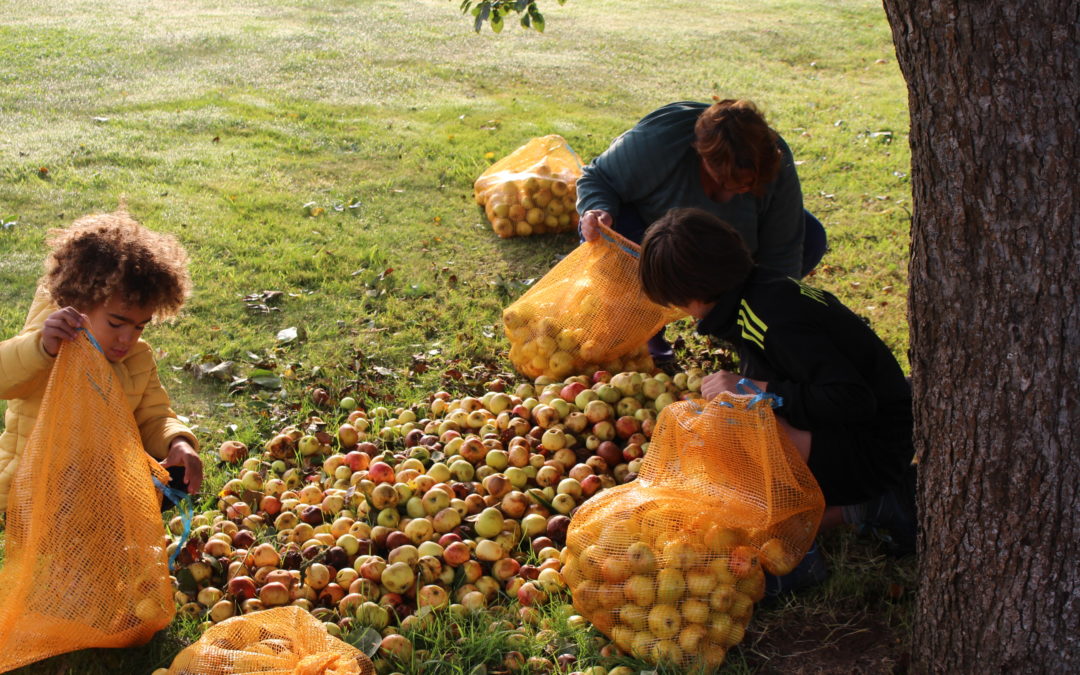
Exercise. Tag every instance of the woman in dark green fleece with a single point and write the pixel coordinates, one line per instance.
(722, 158)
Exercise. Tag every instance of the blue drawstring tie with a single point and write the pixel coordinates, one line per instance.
(178, 496)
(745, 383)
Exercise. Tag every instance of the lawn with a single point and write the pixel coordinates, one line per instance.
(317, 160)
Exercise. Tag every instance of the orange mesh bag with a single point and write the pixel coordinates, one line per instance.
(279, 641)
(588, 313)
(85, 553)
(669, 566)
(533, 190)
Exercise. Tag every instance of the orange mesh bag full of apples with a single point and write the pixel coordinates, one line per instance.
(587, 313)
(669, 566)
(533, 190)
(84, 558)
(282, 641)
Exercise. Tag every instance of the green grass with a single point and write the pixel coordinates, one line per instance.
(231, 124)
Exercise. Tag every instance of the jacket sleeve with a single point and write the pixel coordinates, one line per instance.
(22, 358)
(781, 223)
(158, 424)
(639, 161)
(825, 388)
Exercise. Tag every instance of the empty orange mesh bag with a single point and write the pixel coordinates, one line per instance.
(669, 566)
(587, 313)
(533, 190)
(281, 641)
(84, 552)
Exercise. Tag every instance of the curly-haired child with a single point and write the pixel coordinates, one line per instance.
(112, 276)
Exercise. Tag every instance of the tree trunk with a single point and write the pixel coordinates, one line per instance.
(994, 90)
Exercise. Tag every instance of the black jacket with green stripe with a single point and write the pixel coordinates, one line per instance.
(824, 361)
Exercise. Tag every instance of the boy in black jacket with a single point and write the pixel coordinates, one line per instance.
(846, 403)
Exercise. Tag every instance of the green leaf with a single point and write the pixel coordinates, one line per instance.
(482, 16)
(265, 378)
(496, 22)
(366, 639)
(537, 18)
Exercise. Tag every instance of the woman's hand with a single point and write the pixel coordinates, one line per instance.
(182, 454)
(62, 325)
(590, 223)
(724, 380)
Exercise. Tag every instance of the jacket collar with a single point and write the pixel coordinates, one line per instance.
(722, 317)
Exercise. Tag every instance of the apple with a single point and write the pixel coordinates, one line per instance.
(571, 391)
(380, 472)
(488, 550)
(242, 588)
(432, 596)
(232, 452)
(639, 589)
(396, 647)
(274, 594)
(530, 594)
(398, 577)
(775, 558)
(223, 609)
(265, 555)
(670, 585)
(743, 561)
(664, 621)
(626, 426)
(597, 411)
(489, 523)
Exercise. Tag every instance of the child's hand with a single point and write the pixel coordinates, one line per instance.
(724, 380)
(61, 325)
(182, 454)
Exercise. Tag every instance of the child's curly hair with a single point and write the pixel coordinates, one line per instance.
(106, 255)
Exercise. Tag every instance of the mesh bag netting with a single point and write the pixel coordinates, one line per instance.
(669, 566)
(84, 552)
(533, 190)
(279, 641)
(587, 313)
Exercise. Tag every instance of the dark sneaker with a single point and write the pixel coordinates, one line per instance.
(810, 572)
(893, 516)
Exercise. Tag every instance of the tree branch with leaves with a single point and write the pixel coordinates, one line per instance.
(495, 12)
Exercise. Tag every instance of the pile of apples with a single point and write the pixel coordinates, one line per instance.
(537, 203)
(457, 505)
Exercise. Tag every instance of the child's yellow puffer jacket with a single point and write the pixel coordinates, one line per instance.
(24, 372)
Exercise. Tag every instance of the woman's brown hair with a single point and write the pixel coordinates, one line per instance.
(734, 139)
(109, 255)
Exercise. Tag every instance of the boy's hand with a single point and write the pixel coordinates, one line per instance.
(724, 380)
(590, 223)
(61, 325)
(182, 454)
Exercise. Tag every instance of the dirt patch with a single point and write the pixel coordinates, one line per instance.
(856, 643)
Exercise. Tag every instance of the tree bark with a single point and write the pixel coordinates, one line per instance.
(994, 94)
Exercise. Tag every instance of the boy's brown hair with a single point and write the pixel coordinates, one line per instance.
(108, 255)
(690, 254)
(736, 142)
